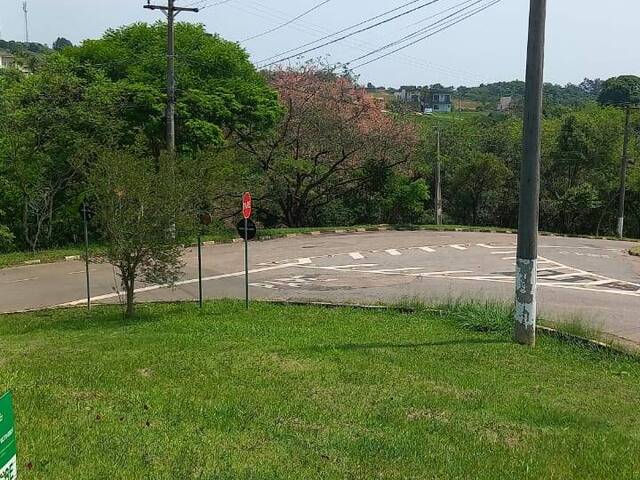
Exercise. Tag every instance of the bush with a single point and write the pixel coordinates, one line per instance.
(6, 240)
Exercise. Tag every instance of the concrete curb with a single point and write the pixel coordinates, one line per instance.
(71, 258)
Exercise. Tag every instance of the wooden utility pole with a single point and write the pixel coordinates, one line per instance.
(527, 256)
(171, 11)
(438, 183)
(623, 171)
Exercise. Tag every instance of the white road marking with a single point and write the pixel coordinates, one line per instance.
(458, 247)
(579, 273)
(492, 247)
(393, 252)
(552, 269)
(356, 255)
(451, 272)
(511, 252)
(508, 258)
(304, 261)
(22, 280)
(427, 249)
(178, 284)
(82, 271)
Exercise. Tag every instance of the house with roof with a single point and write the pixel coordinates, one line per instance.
(438, 101)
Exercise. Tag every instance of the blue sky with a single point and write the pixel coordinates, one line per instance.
(585, 37)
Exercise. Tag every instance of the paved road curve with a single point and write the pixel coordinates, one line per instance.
(595, 280)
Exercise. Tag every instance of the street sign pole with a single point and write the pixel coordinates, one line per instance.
(205, 221)
(200, 269)
(246, 263)
(86, 254)
(246, 214)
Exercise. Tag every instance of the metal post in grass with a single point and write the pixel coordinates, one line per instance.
(85, 211)
(527, 256)
(247, 208)
(205, 221)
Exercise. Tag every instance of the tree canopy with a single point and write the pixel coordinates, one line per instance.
(220, 93)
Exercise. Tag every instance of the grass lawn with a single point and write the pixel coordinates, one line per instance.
(307, 393)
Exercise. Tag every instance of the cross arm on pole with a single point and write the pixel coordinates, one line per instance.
(175, 9)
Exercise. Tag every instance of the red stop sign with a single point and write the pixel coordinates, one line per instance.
(246, 205)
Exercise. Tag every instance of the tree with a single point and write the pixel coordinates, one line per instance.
(478, 180)
(330, 131)
(143, 210)
(220, 93)
(61, 43)
(623, 91)
(51, 123)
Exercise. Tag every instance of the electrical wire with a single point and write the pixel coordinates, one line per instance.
(420, 31)
(446, 27)
(282, 25)
(364, 22)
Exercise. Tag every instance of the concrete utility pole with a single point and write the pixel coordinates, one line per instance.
(623, 171)
(438, 183)
(171, 11)
(527, 256)
(26, 21)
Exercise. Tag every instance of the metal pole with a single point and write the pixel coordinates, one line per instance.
(171, 79)
(200, 270)
(438, 185)
(246, 263)
(527, 256)
(86, 255)
(623, 172)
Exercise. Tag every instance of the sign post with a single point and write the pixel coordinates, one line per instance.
(8, 466)
(246, 213)
(86, 212)
(205, 220)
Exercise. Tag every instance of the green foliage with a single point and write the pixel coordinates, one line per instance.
(219, 90)
(619, 91)
(6, 239)
(61, 43)
(143, 212)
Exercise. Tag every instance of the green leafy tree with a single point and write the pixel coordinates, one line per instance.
(51, 124)
(144, 210)
(220, 93)
(61, 43)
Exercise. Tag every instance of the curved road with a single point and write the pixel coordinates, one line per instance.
(594, 280)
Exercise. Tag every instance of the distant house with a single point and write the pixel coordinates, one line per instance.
(505, 104)
(7, 59)
(438, 101)
(409, 94)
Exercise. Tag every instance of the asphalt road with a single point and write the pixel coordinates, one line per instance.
(594, 280)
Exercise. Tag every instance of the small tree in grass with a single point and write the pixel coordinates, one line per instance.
(143, 209)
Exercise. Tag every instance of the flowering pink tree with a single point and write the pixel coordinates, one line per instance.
(330, 130)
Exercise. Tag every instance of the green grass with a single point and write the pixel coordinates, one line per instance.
(288, 392)
(635, 251)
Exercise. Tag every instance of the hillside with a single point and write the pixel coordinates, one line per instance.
(568, 95)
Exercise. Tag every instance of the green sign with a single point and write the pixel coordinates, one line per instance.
(7, 439)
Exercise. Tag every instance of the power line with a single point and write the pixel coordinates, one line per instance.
(421, 30)
(353, 33)
(368, 20)
(268, 12)
(282, 25)
(446, 27)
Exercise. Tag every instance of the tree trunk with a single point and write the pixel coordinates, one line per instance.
(129, 285)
